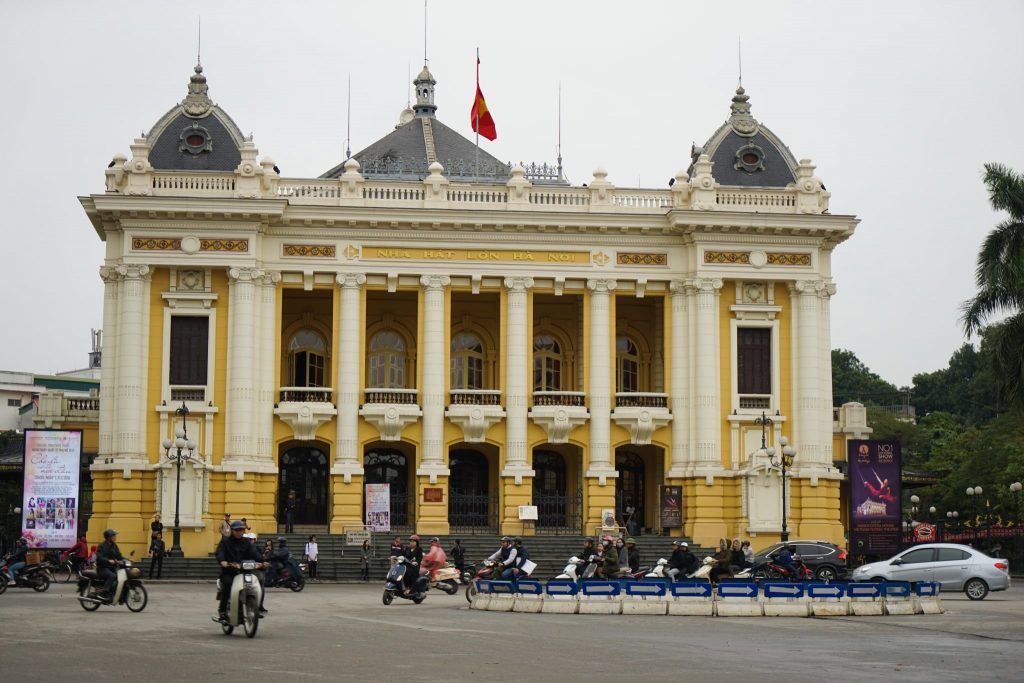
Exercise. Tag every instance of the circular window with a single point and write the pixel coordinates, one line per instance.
(195, 140)
(749, 158)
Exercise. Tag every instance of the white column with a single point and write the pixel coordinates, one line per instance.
(242, 358)
(347, 458)
(266, 392)
(600, 389)
(825, 362)
(517, 348)
(133, 333)
(707, 390)
(108, 368)
(434, 368)
(680, 381)
(810, 448)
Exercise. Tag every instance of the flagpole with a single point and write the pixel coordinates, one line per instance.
(476, 170)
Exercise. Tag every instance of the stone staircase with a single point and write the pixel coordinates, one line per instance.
(339, 562)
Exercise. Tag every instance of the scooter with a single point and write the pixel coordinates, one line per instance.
(394, 585)
(659, 570)
(32, 576)
(244, 601)
(128, 590)
(770, 569)
(290, 576)
(446, 579)
(485, 571)
(579, 569)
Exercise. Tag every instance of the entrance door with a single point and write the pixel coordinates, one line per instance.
(559, 510)
(390, 466)
(304, 471)
(469, 499)
(629, 487)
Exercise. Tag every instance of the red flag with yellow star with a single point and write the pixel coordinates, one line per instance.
(480, 117)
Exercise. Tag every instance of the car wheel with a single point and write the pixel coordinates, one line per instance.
(826, 573)
(976, 589)
(876, 579)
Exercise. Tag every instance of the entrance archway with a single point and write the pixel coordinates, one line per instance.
(471, 506)
(304, 470)
(559, 509)
(629, 487)
(391, 466)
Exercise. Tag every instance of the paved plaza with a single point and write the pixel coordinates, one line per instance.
(343, 632)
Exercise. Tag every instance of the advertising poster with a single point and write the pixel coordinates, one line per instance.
(671, 507)
(378, 507)
(875, 512)
(49, 510)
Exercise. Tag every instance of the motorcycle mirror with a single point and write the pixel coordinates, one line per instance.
(131, 554)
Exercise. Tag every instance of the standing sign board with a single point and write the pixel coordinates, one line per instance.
(378, 507)
(671, 507)
(49, 517)
(875, 514)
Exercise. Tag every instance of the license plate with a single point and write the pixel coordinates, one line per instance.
(247, 578)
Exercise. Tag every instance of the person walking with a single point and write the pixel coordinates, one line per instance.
(364, 561)
(312, 555)
(225, 526)
(289, 512)
(157, 550)
(458, 554)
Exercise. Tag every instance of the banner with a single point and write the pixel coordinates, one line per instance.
(875, 510)
(671, 507)
(49, 511)
(378, 507)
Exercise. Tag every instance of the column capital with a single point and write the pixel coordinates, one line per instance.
(435, 281)
(110, 274)
(133, 272)
(246, 274)
(705, 284)
(601, 286)
(269, 278)
(518, 284)
(819, 288)
(351, 280)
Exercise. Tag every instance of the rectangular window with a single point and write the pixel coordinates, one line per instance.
(189, 350)
(14, 403)
(754, 360)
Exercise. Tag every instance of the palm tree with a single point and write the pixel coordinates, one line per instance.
(1000, 281)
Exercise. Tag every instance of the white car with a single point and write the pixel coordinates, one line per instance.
(955, 567)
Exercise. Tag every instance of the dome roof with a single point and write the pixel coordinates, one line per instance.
(745, 152)
(196, 134)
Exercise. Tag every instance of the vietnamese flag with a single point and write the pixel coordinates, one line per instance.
(480, 117)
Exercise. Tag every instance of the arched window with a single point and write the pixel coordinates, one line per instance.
(549, 478)
(307, 356)
(387, 361)
(467, 362)
(547, 363)
(627, 365)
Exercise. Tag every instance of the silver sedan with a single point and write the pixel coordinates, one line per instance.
(955, 567)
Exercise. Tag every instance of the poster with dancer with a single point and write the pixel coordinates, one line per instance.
(378, 507)
(51, 469)
(875, 511)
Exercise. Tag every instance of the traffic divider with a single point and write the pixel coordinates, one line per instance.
(738, 599)
(529, 596)
(828, 599)
(865, 599)
(691, 598)
(896, 597)
(926, 597)
(560, 597)
(645, 597)
(600, 597)
(785, 599)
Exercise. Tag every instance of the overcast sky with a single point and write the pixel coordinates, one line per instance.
(898, 103)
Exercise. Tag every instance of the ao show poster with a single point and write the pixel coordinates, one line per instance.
(49, 517)
(875, 510)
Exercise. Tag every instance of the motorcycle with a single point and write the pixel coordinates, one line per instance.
(290, 575)
(662, 571)
(659, 570)
(484, 571)
(394, 585)
(446, 579)
(580, 569)
(128, 590)
(770, 569)
(32, 576)
(244, 601)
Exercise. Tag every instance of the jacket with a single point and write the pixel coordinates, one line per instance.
(522, 555)
(105, 553)
(634, 558)
(610, 559)
(458, 554)
(236, 550)
(683, 560)
(157, 547)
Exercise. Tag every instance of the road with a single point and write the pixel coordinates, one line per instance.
(343, 632)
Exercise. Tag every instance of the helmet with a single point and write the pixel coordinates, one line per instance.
(249, 535)
(607, 537)
(109, 533)
(282, 541)
(684, 544)
(434, 540)
(517, 540)
(631, 540)
(23, 541)
(415, 537)
(506, 539)
(588, 540)
(677, 542)
(237, 524)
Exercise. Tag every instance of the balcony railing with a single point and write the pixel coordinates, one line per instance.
(559, 398)
(640, 399)
(475, 397)
(306, 395)
(755, 401)
(396, 396)
(82, 405)
(182, 392)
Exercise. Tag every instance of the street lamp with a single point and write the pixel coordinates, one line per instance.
(1015, 489)
(972, 492)
(911, 513)
(785, 460)
(951, 518)
(180, 450)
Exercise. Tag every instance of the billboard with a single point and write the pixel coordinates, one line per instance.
(378, 507)
(671, 507)
(875, 511)
(49, 511)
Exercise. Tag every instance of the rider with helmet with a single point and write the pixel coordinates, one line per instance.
(17, 560)
(787, 560)
(414, 556)
(522, 557)
(231, 552)
(505, 556)
(278, 558)
(609, 558)
(434, 559)
(107, 557)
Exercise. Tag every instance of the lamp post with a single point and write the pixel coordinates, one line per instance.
(951, 518)
(975, 492)
(931, 518)
(1015, 489)
(784, 460)
(180, 450)
(911, 513)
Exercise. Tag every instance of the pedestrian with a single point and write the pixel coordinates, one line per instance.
(748, 554)
(268, 548)
(458, 554)
(157, 549)
(396, 550)
(225, 526)
(156, 526)
(312, 553)
(246, 523)
(620, 548)
(364, 561)
(289, 512)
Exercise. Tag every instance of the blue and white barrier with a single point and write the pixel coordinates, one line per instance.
(600, 597)
(738, 599)
(785, 599)
(645, 597)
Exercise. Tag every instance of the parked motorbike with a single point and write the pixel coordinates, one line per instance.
(485, 570)
(128, 590)
(32, 576)
(446, 579)
(394, 585)
(289, 576)
(244, 601)
(580, 569)
(661, 570)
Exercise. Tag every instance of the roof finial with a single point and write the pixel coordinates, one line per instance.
(424, 33)
(560, 129)
(739, 43)
(348, 122)
(199, 42)
(741, 120)
(197, 102)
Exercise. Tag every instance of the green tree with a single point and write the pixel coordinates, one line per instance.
(854, 381)
(1000, 281)
(965, 388)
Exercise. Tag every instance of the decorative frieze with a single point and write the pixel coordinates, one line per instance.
(630, 258)
(224, 245)
(757, 259)
(175, 244)
(310, 250)
(156, 243)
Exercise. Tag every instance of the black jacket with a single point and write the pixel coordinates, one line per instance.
(106, 552)
(233, 549)
(18, 554)
(683, 560)
(157, 547)
(414, 554)
(634, 558)
(458, 554)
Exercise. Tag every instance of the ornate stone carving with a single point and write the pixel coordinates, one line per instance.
(351, 280)
(311, 250)
(641, 422)
(518, 284)
(558, 421)
(475, 420)
(156, 244)
(197, 102)
(741, 120)
(628, 258)
(241, 246)
(390, 419)
(727, 257)
(789, 259)
(435, 281)
(601, 286)
(305, 417)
